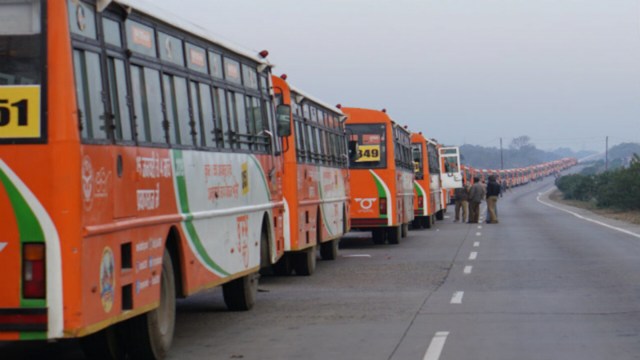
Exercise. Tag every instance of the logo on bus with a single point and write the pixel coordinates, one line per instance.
(366, 203)
(107, 279)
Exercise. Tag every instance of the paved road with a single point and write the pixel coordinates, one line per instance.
(542, 284)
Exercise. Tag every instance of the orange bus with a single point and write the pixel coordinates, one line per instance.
(424, 202)
(140, 161)
(316, 190)
(380, 176)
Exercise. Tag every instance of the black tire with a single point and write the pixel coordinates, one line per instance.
(329, 249)
(283, 266)
(151, 334)
(404, 230)
(265, 254)
(304, 262)
(106, 344)
(426, 222)
(379, 236)
(440, 215)
(240, 294)
(394, 234)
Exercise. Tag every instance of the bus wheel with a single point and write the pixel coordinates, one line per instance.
(426, 222)
(329, 250)
(283, 266)
(151, 334)
(106, 344)
(405, 230)
(440, 215)
(240, 294)
(378, 236)
(304, 262)
(394, 234)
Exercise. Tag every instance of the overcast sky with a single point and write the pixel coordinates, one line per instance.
(564, 72)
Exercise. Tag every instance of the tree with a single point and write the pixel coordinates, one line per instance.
(520, 142)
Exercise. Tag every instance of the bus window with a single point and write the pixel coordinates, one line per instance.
(367, 147)
(222, 118)
(418, 161)
(89, 92)
(119, 107)
(175, 93)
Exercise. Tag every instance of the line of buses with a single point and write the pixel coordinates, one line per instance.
(143, 160)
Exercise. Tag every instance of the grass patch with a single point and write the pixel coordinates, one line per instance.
(626, 216)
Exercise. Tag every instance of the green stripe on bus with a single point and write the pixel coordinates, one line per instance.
(33, 335)
(381, 192)
(29, 229)
(184, 207)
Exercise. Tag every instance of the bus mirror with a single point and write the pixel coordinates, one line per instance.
(283, 119)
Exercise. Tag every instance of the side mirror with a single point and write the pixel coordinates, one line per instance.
(283, 120)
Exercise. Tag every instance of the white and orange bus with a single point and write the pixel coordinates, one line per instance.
(140, 161)
(381, 174)
(316, 189)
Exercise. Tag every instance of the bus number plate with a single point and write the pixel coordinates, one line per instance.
(368, 153)
(20, 112)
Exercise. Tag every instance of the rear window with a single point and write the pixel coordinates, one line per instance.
(367, 146)
(21, 71)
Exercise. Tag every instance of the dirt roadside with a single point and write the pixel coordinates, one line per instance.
(632, 217)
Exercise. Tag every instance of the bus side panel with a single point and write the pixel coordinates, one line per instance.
(333, 194)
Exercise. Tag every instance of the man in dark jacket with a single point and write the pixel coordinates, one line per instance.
(476, 194)
(461, 198)
(493, 191)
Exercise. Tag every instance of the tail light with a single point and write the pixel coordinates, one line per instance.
(420, 201)
(33, 271)
(383, 206)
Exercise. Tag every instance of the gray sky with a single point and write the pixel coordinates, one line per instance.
(565, 72)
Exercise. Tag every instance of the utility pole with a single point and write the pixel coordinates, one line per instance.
(606, 154)
(501, 157)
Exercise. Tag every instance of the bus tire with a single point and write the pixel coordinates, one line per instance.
(240, 294)
(329, 250)
(404, 230)
(426, 222)
(151, 334)
(304, 262)
(106, 344)
(378, 235)
(283, 266)
(440, 215)
(393, 234)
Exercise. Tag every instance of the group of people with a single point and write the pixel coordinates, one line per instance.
(470, 197)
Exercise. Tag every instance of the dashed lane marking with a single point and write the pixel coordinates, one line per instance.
(435, 347)
(457, 297)
(473, 255)
(357, 256)
(467, 269)
(478, 233)
(476, 244)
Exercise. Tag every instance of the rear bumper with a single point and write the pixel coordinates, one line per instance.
(21, 319)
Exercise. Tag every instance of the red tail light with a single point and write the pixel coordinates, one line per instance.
(33, 271)
(383, 206)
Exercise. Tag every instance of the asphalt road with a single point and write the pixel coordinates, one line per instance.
(542, 284)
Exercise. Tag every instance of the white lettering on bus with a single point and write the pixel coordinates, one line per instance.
(153, 167)
(148, 199)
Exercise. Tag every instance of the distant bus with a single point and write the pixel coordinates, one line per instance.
(139, 162)
(316, 189)
(381, 175)
(424, 202)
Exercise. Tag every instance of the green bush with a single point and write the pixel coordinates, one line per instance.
(619, 189)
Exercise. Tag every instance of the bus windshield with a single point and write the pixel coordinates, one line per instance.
(20, 43)
(367, 146)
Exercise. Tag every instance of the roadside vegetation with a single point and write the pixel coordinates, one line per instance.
(614, 192)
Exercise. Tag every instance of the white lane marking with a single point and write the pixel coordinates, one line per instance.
(447, 217)
(435, 347)
(476, 244)
(357, 256)
(479, 226)
(586, 218)
(478, 233)
(467, 269)
(3, 245)
(473, 255)
(457, 297)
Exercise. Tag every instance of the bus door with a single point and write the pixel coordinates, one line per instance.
(450, 173)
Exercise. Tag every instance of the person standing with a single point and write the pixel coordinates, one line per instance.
(476, 194)
(493, 191)
(461, 198)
